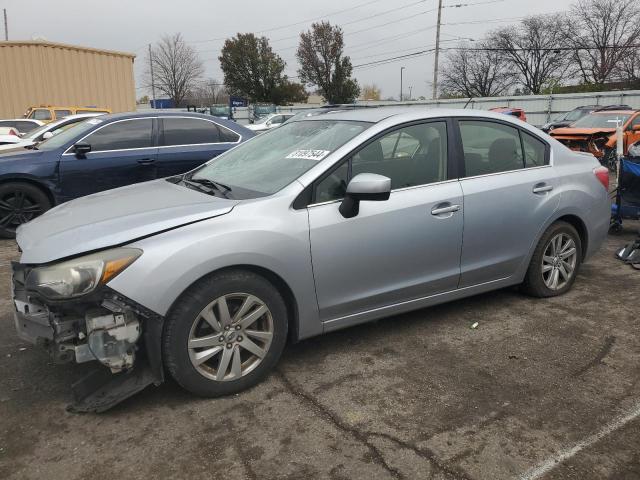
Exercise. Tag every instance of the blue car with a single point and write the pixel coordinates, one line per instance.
(107, 152)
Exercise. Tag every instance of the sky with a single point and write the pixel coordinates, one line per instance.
(373, 30)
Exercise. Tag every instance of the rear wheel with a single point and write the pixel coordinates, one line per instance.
(19, 203)
(555, 262)
(225, 333)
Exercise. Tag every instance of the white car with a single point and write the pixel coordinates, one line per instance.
(12, 142)
(270, 121)
(23, 125)
(8, 134)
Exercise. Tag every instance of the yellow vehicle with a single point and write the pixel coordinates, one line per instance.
(48, 113)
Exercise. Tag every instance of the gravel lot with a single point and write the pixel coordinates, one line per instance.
(420, 395)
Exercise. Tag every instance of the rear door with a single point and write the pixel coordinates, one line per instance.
(122, 152)
(508, 196)
(188, 142)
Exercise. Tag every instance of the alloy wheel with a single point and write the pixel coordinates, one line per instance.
(230, 336)
(559, 261)
(18, 207)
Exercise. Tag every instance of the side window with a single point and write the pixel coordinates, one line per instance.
(41, 114)
(634, 123)
(122, 135)
(409, 156)
(227, 135)
(334, 185)
(62, 113)
(189, 131)
(534, 151)
(490, 147)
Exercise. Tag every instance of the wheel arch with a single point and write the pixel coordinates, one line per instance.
(576, 222)
(281, 285)
(31, 181)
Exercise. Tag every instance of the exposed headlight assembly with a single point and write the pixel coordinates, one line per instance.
(81, 275)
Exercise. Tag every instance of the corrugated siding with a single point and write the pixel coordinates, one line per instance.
(42, 74)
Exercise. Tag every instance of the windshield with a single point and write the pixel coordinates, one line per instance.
(601, 120)
(267, 163)
(574, 115)
(67, 135)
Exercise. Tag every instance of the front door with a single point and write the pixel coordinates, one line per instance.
(188, 142)
(508, 197)
(404, 248)
(122, 153)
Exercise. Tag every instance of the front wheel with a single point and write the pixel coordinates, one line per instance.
(225, 333)
(555, 262)
(19, 203)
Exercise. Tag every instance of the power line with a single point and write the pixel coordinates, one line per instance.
(297, 23)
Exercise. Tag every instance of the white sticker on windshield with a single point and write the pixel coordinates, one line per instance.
(316, 155)
(94, 121)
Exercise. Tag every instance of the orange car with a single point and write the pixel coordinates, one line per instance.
(596, 133)
(512, 111)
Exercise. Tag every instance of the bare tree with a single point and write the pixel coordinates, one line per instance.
(476, 71)
(629, 68)
(176, 67)
(533, 48)
(211, 92)
(604, 33)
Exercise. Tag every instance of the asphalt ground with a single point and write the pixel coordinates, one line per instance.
(540, 389)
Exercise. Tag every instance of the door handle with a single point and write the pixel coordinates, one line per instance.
(542, 188)
(438, 210)
(146, 161)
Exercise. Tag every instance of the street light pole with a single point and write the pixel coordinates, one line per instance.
(401, 69)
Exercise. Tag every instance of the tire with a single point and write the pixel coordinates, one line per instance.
(538, 280)
(19, 203)
(190, 338)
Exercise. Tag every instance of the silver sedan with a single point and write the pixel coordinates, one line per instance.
(324, 223)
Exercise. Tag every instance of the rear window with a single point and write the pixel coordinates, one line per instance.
(40, 114)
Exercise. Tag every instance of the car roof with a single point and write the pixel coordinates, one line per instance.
(236, 127)
(378, 114)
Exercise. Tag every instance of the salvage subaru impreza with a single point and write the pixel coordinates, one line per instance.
(326, 222)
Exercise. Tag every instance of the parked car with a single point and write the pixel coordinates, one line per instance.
(49, 113)
(577, 113)
(23, 125)
(7, 134)
(107, 152)
(321, 224)
(513, 112)
(568, 118)
(44, 132)
(269, 121)
(596, 133)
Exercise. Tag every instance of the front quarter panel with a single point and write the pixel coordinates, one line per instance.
(267, 234)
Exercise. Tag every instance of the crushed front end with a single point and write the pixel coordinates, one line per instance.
(99, 326)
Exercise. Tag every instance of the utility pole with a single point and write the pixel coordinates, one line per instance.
(435, 65)
(153, 83)
(6, 28)
(401, 69)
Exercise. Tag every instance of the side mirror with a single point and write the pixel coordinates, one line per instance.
(364, 186)
(81, 149)
(47, 135)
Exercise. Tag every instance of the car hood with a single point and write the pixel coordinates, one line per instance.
(569, 131)
(115, 217)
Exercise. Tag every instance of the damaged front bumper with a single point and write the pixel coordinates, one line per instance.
(104, 327)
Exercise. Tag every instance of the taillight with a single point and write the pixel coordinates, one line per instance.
(602, 174)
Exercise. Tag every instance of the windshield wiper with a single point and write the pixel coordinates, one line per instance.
(210, 183)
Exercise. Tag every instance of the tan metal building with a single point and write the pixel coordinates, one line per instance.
(47, 73)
